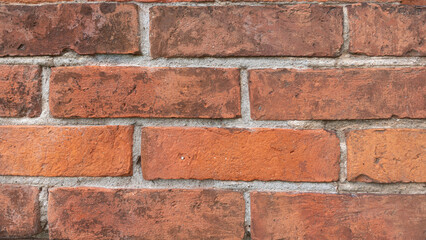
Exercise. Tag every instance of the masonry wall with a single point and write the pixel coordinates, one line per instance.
(213, 119)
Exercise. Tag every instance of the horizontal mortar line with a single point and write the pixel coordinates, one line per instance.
(273, 186)
(395, 188)
(163, 122)
(212, 3)
(249, 62)
(127, 182)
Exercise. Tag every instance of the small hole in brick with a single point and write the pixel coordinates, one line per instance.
(376, 160)
(21, 47)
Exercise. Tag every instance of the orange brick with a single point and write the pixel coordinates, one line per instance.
(100, 92)
(19, 211)
(332, 216)
(66, 151)
(387, 155)
(95, 213)
(335, 94)
(240, 154)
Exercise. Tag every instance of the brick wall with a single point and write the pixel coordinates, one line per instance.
(213, 119)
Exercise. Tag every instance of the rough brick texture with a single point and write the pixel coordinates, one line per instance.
(145, 1)
(240, 154)
(387, 155)
(284, 94)
(95, 213)
(19, 211)
(85, 28)
(330, 216)
(301, 30)
(414, 2)
(380, 30)
(94, 92)
(66, 151)
(235, 97)
(20, 91)
(318, 1)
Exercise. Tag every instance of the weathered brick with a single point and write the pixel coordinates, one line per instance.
(99, 92)
(414, 2)
(387, 155)
(95, 213)
(300, 30)
(32, 1)
(19, 211)
(317, 1)
(282, 94)
(147, 1)
(381, 30)
(66, 151)
(20, 91)
(85, 28)
(332, 216)
(239, 154)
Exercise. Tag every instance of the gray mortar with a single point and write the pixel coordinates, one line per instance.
(136, 181)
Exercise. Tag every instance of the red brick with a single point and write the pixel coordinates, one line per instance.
(317, 1)
(19, 211)
(85, 28)
(33, 1)
(414, 2)
(300, 30)
(148, 1)
(95, 213)
(387, 155)
(382, 30)
(20, 91)
(66, 151)
(240, 154)
(332, 216)
(99, 92)
(282, 94)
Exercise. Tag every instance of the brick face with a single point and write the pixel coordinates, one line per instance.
(145, 1)
(387, 155)
(99, 92)
(66, 151)
(332, 216)
(321, 1)
(20, 91)
(214, 103)
(387, 30)
(85, 28)
(19, 211)
(414, 2)
(94, 213)
(301, 30)
(240, 154)
(282, 94)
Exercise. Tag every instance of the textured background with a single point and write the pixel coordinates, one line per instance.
(337, 66)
